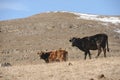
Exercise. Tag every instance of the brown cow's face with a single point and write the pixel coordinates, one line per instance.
(42, 55)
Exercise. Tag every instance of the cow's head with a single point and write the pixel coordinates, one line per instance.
(41, 54)
(73, 41)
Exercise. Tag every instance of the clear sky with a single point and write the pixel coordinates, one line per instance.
(12, 9)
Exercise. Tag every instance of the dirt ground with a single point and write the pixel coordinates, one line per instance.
(95, 69)
(21, 39)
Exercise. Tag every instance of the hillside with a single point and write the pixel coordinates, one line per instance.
(21, 39)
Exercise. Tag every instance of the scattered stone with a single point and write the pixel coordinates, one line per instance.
(91, 79)
(101, 76)
(70, 64)
(51, 75)
(5, 64)
(1, 76)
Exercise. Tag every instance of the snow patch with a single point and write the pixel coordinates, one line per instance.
(114, 20)
(105, 24)
(117, 30)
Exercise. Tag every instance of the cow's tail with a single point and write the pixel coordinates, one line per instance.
(66, 56)
(107, 45)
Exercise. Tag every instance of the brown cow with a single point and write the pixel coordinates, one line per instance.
(56, 55)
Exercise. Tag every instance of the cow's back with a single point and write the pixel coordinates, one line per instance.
(99, 37)
(58, 55)
(63, 54)
(52, 56)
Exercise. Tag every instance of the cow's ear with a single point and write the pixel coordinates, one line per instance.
(38, 53)
(60, 48)
(70, 39)
(41, 52)
(65, 48)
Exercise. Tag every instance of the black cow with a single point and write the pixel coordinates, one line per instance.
(98, 41)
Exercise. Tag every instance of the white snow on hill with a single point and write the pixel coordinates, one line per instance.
(117, 30)
(114, 20)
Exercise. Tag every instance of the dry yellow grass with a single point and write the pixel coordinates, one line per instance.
(78, 70)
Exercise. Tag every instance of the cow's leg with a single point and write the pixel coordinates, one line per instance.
(89, 54)
(57, 60)
(99, 51)
(85, 55)
(104, 50)
(50, 60)
(46, 60)
(65, 57)
(60, 59)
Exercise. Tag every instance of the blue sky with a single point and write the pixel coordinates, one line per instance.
(12, 9)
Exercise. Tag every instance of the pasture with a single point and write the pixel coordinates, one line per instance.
(21, 39)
